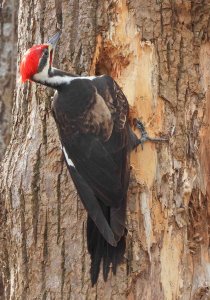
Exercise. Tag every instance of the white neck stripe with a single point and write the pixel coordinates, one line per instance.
(57, 80)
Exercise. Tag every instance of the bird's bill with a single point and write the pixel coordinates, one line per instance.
(53, 40)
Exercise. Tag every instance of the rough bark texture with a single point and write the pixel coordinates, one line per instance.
(159, 53)
(7, 68)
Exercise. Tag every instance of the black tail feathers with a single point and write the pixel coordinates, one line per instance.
(100, 250)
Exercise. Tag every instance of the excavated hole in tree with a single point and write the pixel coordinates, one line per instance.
(102, 68)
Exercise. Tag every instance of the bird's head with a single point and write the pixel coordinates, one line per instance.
(37, 61)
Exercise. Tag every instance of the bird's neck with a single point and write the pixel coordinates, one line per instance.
(54, 78)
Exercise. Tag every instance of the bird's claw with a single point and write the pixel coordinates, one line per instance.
(141, 142)
(144, 135)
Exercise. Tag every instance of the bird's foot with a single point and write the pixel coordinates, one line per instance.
(144, 135)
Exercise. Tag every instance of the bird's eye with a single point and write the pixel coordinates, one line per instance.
(46, 52)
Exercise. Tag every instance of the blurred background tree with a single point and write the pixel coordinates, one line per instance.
(8, 54)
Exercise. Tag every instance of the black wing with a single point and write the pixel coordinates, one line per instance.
(97, 166)
(92, 206)
(101, 176)
(102, 166)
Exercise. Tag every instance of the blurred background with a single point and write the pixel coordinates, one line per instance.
(8, 48)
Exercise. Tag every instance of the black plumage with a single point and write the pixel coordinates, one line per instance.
(92, 120)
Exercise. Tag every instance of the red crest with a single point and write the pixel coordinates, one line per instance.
(30, 61)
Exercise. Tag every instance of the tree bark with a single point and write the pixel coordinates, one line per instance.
(158, 51)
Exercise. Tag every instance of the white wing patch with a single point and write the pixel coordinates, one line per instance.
(68, 160)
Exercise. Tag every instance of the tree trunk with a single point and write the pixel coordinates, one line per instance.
(159, 52)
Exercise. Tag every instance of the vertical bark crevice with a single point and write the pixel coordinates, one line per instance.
(42, 20)
(62, 269)
(59, 204)
(59, 17)
(25, 285)
(44, 259)
(35, 187)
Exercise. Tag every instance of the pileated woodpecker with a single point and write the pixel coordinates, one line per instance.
(91, 114)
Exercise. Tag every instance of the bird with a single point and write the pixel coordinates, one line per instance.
(92, 118)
